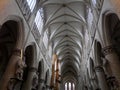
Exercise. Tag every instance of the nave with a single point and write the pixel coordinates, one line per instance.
(59, 45)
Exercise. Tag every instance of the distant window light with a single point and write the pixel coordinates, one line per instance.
(55, 65)
(50, 51)
(90, 16)
(39, 20)
(41, 12)
(73, 86)
(69, 86)
(94, 2)
(65, 86)
(45, 39)
(31, 4)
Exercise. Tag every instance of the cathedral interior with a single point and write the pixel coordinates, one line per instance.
(59, 44)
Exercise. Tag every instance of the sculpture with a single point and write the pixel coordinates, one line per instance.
(20, 65)
(35, 81)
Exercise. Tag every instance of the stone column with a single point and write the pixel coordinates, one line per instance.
(53, 77)
(101, 78)
(29, 82)
(67, 86)
(106, 67)
(41, 84)
(72, 86)
(47, 87)
(57, 75)
(62, 86)
(10, 70)
(114, 62)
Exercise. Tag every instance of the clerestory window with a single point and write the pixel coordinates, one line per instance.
(39, 20)
(94, 2)
(45, 39)
(69, 86)
(31, 4)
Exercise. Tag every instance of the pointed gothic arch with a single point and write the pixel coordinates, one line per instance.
(11, 45)
(112, 30)
(30, 69)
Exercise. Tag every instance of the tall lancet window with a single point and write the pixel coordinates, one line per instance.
(39, 20)
(65, 86)
(45, 39)
(31, 4)
(94, 2)
(73, 86)
(69, 85)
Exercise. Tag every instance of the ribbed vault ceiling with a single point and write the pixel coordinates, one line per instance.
(66, 21)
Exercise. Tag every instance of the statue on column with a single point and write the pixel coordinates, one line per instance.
(94, 82)
(113, 83)
(20, 65)
(15, 82)
(35, 81)
(106, 67)
(111, 80)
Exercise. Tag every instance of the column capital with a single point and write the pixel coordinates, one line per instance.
(108, 50)
(17, 52)
(99, 69)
